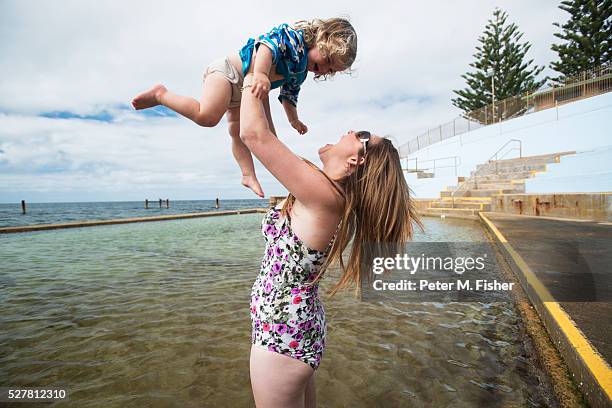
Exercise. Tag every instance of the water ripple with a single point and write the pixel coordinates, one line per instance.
(156, 314)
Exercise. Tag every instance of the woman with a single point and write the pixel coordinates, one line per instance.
(360, 194)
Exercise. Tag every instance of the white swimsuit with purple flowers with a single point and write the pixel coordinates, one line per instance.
(288, 317)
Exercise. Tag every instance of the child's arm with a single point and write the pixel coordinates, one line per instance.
(289, 97)
(292, 115)
(261, 72)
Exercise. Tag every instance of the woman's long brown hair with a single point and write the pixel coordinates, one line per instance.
(378, 215)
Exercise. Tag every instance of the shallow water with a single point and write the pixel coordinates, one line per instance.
(157, 315)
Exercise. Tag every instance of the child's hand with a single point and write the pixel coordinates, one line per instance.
(299, 126)
(261, 85)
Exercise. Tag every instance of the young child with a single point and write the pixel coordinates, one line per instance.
(321, 46)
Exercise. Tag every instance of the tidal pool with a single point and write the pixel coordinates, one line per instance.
(157, 315)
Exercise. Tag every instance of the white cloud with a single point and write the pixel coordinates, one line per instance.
(84, 57)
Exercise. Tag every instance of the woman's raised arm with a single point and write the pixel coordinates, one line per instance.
(308, 185)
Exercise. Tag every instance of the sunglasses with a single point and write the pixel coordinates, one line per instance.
(364, 137)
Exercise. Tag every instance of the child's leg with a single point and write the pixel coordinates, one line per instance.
(216, 95)
(242, 154)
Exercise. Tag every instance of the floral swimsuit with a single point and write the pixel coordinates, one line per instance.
(288, 317)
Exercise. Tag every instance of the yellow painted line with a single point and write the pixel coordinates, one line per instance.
(599, 368)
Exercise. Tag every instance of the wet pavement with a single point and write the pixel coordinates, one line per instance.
(564, 266)
(572, 259)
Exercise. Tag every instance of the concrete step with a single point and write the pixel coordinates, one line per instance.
(508, 183)
(452, 212)
(484, 200)
(415, 170)
(542, 158)
(518, 187)
(461, 204)
(492, 178)
(521, 175)
(515, 189)
(486, 169)
(422, 174)
(490, 192)
(501, 165)
(492, 185)
(477, 193)
(520, 162)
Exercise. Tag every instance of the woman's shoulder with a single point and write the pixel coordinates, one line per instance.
(315, 224)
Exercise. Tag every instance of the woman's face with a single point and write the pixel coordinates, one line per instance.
(345, 154)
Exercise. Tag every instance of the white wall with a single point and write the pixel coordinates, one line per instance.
(585, 172)
(582, 126)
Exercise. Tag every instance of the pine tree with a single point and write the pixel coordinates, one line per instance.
(587, 35)
(501, 52)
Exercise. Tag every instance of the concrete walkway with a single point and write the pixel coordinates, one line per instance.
(92, 223)
(565, 268)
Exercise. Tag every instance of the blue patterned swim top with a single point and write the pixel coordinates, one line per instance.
(289, 54)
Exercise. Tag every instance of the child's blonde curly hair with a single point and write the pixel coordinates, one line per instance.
(335, 37)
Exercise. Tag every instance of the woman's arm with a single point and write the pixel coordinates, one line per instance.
(269, 115)
(307, 184)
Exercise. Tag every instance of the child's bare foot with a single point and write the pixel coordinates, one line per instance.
(252, 183)
(149, 98)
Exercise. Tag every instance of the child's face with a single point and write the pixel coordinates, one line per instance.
(320, 64)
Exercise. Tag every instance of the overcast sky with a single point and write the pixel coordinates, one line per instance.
(69, 69)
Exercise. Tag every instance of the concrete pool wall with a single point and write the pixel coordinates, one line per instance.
(590, 206)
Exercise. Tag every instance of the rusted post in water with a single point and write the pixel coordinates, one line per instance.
(217, 202)
(167, 203)
(160, 203)
(23, 207)
(146, 203)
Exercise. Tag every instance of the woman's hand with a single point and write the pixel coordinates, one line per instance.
(261, 85)
(299, 126)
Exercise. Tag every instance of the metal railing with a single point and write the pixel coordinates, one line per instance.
(496, 157)
(472, 181)
(589, 83)
(434, 166)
